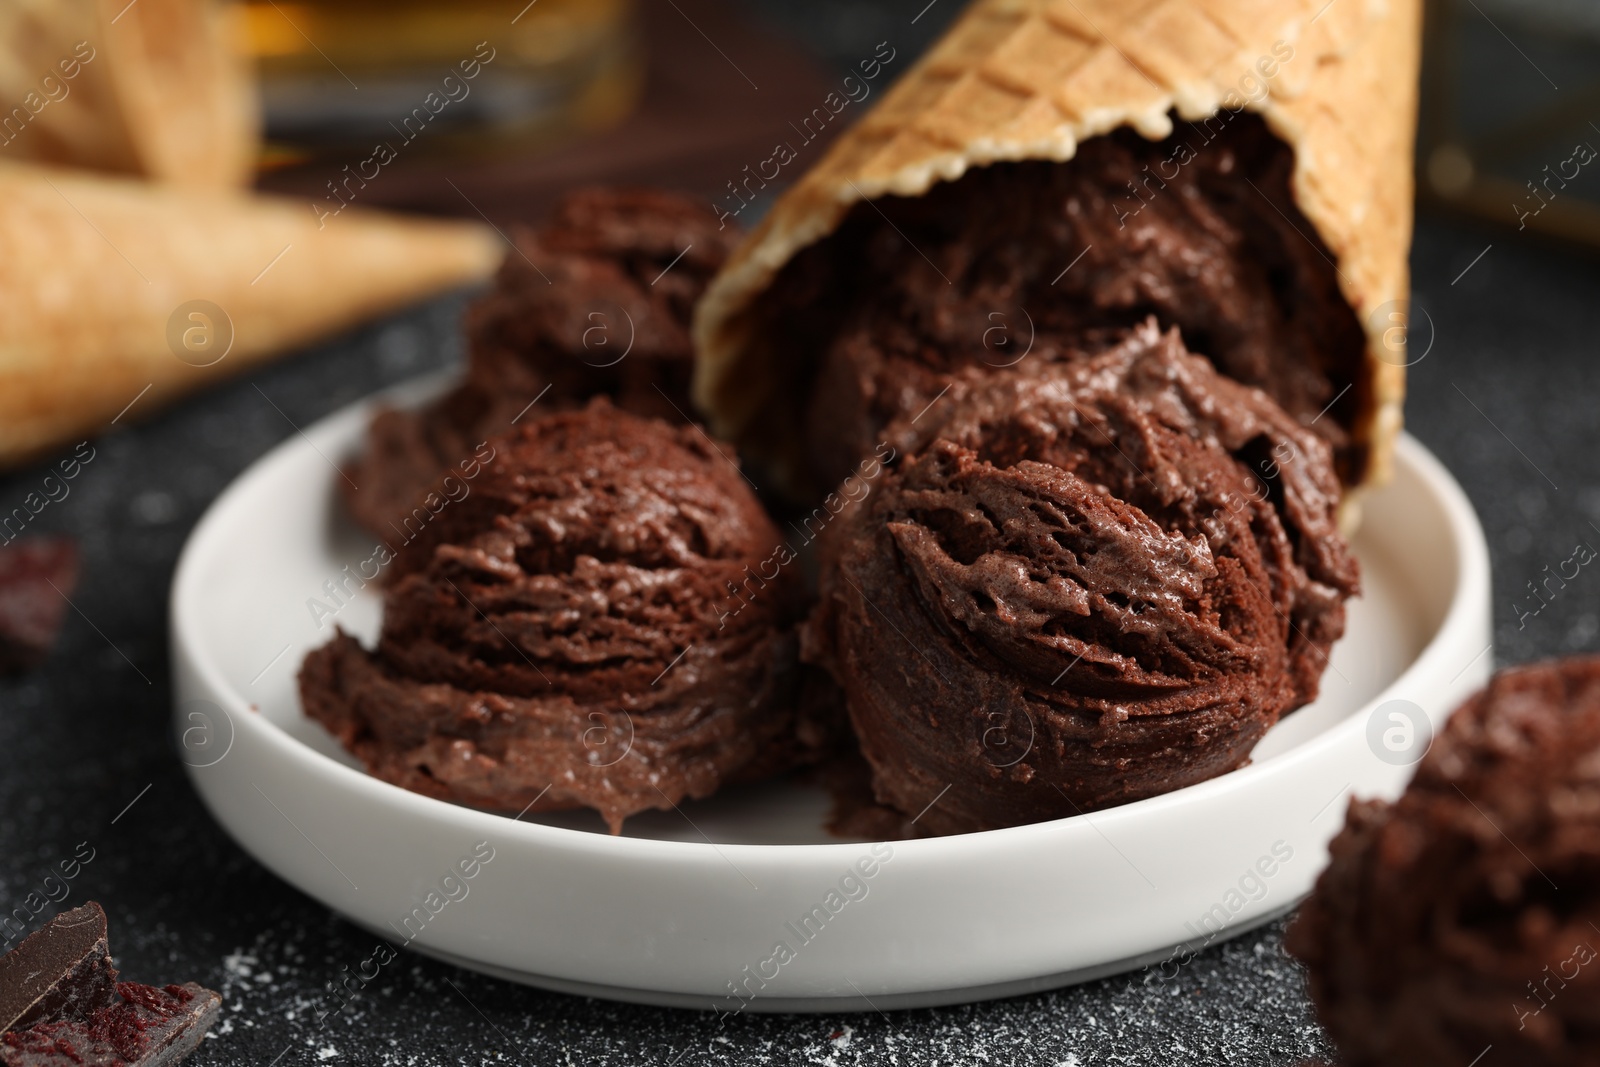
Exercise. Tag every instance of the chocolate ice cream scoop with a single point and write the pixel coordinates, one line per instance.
(597, 302)
(594, 303)
(1015, 264)
(604, 621)
(1467, 913)
(1081, 587)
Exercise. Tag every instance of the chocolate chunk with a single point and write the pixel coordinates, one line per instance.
(30, 610)
(63, 1005)
(63, 968)
(146, 1027)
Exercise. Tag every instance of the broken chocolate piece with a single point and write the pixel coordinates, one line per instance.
(62, 1004)
(30, 609)
(147, 1027)
(63, 968)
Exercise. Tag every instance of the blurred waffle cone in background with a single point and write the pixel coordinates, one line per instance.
(155, 88)
(116, 285)
(1032, 79)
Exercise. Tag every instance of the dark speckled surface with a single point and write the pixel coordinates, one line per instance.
(1506, 397)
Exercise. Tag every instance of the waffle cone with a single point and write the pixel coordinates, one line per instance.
(99, 272)
(155, 88)
(1032, 79)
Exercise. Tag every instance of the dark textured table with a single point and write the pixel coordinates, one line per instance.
(1505, 396)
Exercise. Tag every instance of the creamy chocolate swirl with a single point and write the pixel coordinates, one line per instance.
(1056, 259)
(1081, 587)
(594, 303)
(1465, 914)
(602, 616)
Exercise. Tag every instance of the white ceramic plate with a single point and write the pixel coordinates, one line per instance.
(690, 908)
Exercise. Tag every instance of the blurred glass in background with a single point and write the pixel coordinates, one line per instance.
(1510, 119)
(1509, 126)
(342, 74)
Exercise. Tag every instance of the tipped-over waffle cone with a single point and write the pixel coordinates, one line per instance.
(1033, 79)
(124, 291)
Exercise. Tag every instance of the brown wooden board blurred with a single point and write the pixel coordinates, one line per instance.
(718, 93)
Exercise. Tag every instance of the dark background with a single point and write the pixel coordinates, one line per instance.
(1506, 396)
